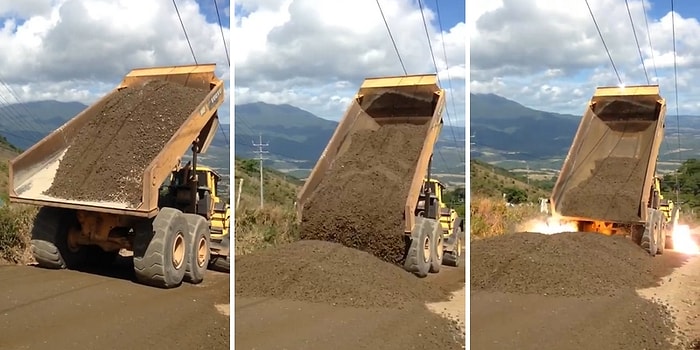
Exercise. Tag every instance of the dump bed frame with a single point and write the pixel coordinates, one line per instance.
(423, 88)
(32, 172)
(603, 134)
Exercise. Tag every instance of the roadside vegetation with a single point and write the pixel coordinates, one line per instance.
(687, 180)
(501, 200)
(15, 220)
(274, 223)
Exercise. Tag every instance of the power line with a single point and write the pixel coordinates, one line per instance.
(604, 44)
(675, 81)
(639, 48)
(447, 67)
(185, 31)
(221, 28)
(432, 55)
(260, 153)
(651, 48)
(392, 38)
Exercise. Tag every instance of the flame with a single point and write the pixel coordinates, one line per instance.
(683, 241)
(550, 226)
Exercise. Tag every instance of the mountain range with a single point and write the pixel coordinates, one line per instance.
(505, 131)
(296, 138)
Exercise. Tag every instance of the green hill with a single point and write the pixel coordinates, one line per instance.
(297, 138)
(492, 181)
(275, 222)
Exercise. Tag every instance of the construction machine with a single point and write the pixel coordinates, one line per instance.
(432, 191)
(424, 102)
(204, 199)
(671, 214)
(618, 123)
(175, 233)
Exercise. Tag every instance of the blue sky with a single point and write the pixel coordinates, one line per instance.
(313, 54)
(80, 49)
(558, 69)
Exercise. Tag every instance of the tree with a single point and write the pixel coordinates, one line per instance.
(515, 195)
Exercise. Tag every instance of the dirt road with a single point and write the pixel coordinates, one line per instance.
(595, 316)
(266, 323)
(62, 309)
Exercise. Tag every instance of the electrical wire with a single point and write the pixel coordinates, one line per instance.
(675, 81)
(185, 31)
(617, 73)
(221, 28)
(636, 40)
(432, 55)
(651, 48)
(392, 38)
(447, 67)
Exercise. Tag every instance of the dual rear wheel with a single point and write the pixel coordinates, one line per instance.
(172, 248)
(425, 252)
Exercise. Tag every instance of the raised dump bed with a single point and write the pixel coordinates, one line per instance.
(608, 175)
(365, 187)
(98, 180)
(154, 152)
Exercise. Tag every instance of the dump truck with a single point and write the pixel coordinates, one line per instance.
(426, 245)
(176, 231)
(608, 182)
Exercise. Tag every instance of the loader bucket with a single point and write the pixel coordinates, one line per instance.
(608, 173)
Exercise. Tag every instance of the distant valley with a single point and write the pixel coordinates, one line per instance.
(297, 138)
(508, 134)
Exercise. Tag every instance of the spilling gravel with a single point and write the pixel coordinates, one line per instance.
(106, 160)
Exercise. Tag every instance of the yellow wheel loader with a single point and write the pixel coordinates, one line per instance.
(197, 192)
(175, 235)
(451, 224)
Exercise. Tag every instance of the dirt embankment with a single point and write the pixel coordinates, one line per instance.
(360, 202)
(319, 275)
(106, 160)
(549, 277)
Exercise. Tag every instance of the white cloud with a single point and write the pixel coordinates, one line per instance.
(313, 54)
(548, 54)
(79, 49)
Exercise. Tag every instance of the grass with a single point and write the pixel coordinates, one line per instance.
(492, 217)
(15, 220)
(15, 227)
(492, 181)
(489, 213)
(275, 223)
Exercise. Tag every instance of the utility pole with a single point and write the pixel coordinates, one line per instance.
(260, 153)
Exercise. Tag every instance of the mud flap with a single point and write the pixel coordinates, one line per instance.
(652, 232)
(220, 256)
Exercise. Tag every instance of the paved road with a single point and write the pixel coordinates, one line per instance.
(62, 309)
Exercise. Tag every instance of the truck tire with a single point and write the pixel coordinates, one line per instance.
(436, 255)
(419, 250)
(221, 264)
(669, 241)
(661, 240)
(452, 258)
(161, 250)
(49, 242)
(198, 241)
